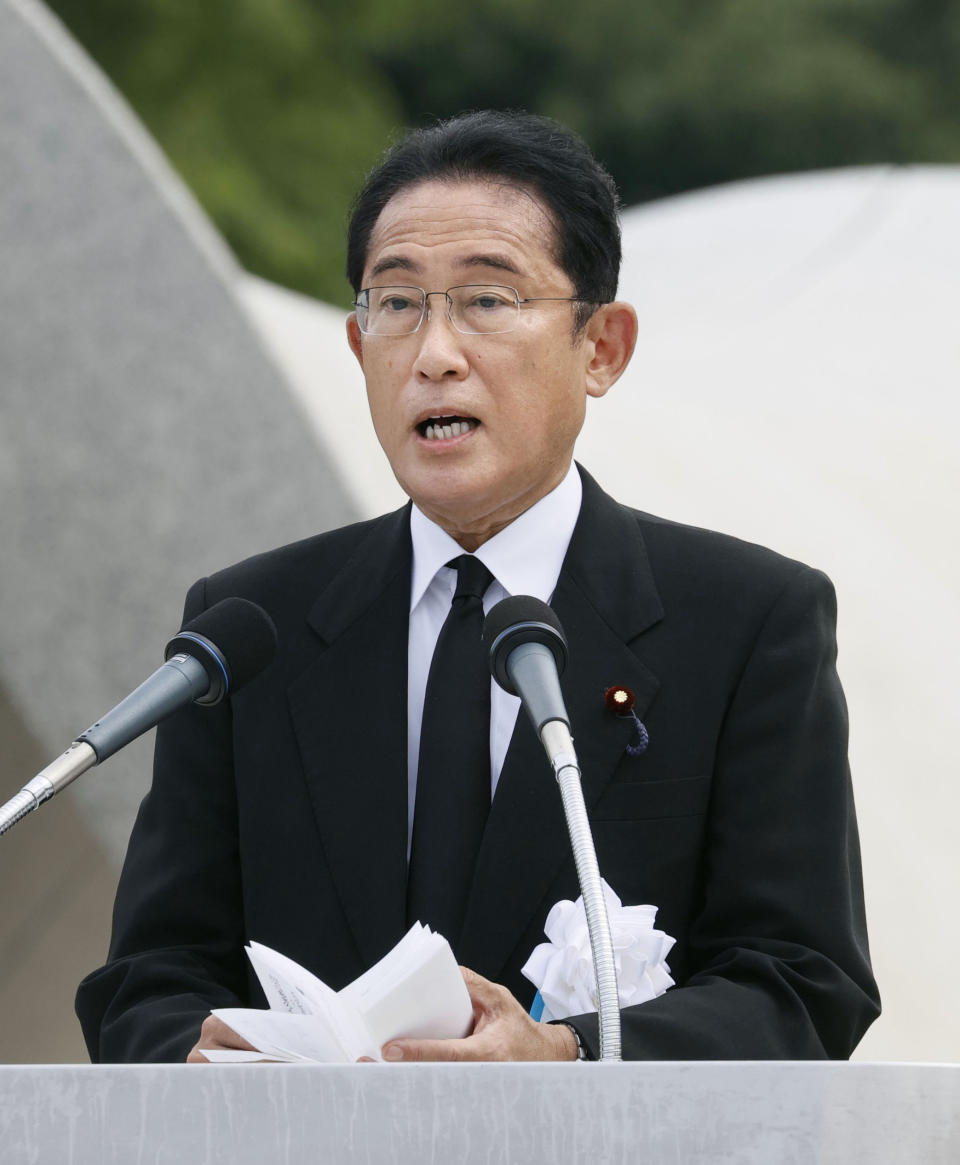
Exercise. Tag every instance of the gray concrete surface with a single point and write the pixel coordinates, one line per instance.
(501, 1114)
(58, 886)
(146, 438)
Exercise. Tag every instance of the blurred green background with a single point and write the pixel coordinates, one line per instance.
(273, 110)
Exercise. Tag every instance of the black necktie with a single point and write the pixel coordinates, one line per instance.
(453, 773)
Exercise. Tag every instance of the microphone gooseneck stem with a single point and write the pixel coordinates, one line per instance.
(56, 776)
(559, 746)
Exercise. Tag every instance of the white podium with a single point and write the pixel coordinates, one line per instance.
(498, 1114)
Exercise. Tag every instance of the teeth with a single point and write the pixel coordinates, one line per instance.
(441, 432)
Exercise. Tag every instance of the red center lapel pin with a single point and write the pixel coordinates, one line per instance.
(620, 701)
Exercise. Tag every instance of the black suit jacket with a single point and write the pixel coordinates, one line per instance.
(282, 816)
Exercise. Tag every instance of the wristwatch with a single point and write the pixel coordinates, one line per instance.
(582, 1053)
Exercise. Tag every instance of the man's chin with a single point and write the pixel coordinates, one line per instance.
(471, 511)
(454, 500)
(459, 484)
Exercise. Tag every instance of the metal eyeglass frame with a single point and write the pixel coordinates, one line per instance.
(425, 306)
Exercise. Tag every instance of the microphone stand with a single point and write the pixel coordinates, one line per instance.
(557, 741)
(195, 669)
(528, 651)
(56, 776)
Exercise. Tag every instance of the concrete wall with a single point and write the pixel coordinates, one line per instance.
(145, 439)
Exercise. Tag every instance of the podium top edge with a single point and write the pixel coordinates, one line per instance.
(823, 1066)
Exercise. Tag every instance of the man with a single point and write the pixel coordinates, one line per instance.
(484, 256)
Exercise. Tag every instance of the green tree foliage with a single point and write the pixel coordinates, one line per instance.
(273, 109)
(265, 107)
(694, 92)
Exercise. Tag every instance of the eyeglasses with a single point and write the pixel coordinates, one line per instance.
(476, 309)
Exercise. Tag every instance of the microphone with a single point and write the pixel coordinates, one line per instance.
(528, 652)
(211, 657)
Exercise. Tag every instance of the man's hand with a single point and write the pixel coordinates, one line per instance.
(216, 1035)
(502, 1030)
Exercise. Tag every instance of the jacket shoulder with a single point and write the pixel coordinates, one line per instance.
(294, 574)
(683, 557)
(665, 537)
(708, 566)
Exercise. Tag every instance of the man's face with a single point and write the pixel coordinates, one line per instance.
(523, 391)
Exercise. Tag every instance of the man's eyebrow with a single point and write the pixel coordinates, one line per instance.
(401, 263)
(395, 263)
(499, 262)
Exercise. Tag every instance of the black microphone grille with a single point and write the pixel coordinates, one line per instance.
(236, 641)
(516, 620)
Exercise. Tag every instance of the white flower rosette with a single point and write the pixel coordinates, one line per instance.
(562, 969)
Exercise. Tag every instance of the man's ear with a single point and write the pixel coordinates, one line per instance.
(355, 337)
(612, 331)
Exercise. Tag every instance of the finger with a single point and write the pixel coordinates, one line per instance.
(475, 982)
(422, 1051)
(473, 1048)
(489, 997)
(214, 1033)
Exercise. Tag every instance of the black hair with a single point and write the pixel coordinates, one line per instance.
(533, 152)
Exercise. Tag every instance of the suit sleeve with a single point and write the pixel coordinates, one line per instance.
(178, 935)
(778, 947)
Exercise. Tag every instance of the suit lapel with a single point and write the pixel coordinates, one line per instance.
(349, 711)
(605, 599)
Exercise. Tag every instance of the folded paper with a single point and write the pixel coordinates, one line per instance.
(415, 990)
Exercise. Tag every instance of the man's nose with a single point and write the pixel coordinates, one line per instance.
(441, 352)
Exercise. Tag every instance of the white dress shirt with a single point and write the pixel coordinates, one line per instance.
(525, 559)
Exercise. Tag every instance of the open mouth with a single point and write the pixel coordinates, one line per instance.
(441, 428)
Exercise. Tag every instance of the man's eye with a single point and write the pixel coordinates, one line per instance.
(396, 303)
(487, 301)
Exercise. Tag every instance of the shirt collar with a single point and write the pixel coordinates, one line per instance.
(524, 557)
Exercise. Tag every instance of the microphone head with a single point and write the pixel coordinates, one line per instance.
(234, 640)
(516, 620)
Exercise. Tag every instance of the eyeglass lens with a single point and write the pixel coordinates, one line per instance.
(473, 308)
